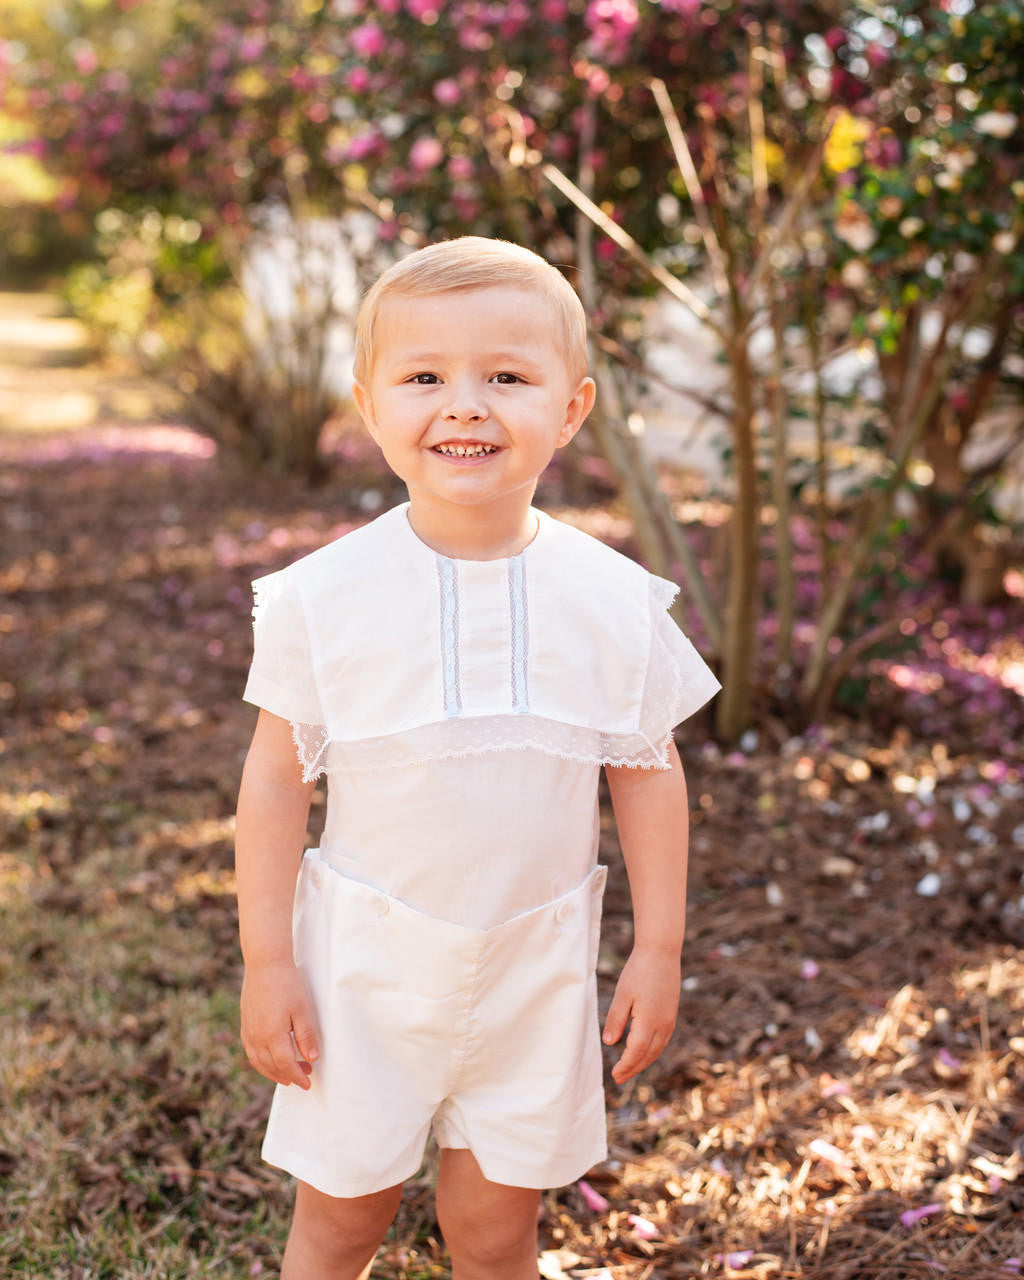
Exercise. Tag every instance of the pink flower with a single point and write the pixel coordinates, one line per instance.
(301, 80)
(474, 37)
(360, 147)
(460, 168)
(250, 48)
(468, 210)
(597, 80)
(554, 10)
(358, 79)
(447, 92)
(612, 22)
(423, 10)
(85, 60)
(368, 40)
(425, 153)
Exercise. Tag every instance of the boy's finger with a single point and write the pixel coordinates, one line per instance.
(287, 1069)
(304, 1041)
(634, 1056)
(615, 1022)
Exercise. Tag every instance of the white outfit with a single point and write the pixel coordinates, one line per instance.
(461, 711)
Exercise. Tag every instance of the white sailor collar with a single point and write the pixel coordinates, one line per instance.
(382, 651)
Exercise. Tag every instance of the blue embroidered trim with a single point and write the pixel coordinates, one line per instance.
(519, 639)
(448, 582)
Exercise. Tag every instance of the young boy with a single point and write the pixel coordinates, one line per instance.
(460, 668)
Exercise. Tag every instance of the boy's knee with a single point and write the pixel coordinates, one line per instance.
(491, 1242)
(340, 1228)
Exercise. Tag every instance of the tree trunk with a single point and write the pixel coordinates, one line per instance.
(785, 591)
(733, 705)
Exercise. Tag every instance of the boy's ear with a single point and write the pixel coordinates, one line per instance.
(365, 406)
(576, 413)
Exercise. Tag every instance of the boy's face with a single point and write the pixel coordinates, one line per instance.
(481, 370)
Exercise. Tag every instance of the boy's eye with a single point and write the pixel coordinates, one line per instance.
(424, 379)
(507, 379)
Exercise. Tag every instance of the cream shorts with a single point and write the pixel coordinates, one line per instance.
(490, 1036)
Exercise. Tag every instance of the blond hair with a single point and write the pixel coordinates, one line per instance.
(473, 262)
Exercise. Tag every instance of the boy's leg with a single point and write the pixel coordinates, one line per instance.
(334, 1239)
(490, 1229)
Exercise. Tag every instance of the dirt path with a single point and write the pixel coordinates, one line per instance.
(50, 379)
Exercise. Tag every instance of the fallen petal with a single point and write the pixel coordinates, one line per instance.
(738, 1258)
(552, 1263)
(827, 1152)
(911, 1216)
(643, 1227)
(929, 886)
(832, 1088)
(593, 1199)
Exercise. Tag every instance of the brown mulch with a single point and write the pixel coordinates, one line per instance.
(850, 1047)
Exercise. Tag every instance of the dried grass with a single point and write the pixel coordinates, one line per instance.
(849, 1048)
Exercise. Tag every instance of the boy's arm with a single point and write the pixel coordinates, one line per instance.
(270, 828)
(653, 820)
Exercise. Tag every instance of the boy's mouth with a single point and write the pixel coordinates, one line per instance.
(471, 449)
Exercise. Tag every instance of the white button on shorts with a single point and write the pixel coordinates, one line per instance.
(490, 1036)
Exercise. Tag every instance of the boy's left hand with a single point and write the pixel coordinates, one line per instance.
(646, 997)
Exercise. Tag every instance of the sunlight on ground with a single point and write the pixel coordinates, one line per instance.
(71, 410)
(41, 337)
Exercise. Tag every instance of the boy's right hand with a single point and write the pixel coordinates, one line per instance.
(278, 1034)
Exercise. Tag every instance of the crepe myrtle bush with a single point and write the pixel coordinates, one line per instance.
(928, 215)
(422, 104)
(433, 114)
(440, 116)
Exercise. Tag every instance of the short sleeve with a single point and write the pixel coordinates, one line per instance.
(679, 682)
(281, 677)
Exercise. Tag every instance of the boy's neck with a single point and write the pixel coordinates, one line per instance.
(474, 532)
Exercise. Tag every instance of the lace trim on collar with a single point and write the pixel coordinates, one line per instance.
(676, 686)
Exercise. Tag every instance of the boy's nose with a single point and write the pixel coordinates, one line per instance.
(465, 405)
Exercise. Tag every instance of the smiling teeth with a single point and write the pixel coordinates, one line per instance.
(464, 451)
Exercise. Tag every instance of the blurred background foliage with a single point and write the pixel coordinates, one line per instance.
(808, 180)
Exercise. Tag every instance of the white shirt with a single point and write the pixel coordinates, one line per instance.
(462, 709)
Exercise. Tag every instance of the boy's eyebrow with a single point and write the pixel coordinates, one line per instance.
(503, 356)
